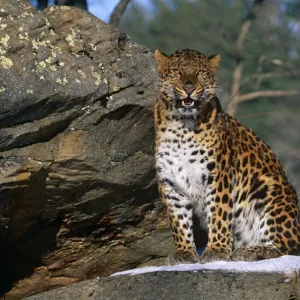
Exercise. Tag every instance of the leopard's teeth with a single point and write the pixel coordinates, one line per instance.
(187, 105)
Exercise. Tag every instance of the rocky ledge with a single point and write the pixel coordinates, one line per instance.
(78, 196)
(204, 285)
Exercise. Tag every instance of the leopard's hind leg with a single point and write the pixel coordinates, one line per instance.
(253, 253)
(281, 233)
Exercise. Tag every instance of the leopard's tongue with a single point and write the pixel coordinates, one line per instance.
(187, 102)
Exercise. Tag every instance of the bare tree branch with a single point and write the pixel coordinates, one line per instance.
(238, 70)
(267, 93)
(231, 109)
(118, 12)
(295, 73)
(236, 79)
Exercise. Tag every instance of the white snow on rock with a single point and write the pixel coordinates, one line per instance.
(285, 264)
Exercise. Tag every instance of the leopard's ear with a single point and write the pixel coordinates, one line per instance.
(161, 60)
(214, 63)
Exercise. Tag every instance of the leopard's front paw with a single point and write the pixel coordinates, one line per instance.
(181, 257)
(214, 254)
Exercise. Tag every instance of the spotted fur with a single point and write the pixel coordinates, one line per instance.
(210, 165)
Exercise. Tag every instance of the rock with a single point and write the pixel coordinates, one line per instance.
(181, 285)
(78, 196)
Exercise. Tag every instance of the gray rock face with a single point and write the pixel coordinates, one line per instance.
(78, 196)
(181, 285)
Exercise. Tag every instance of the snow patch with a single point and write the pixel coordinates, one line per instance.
(285, 264)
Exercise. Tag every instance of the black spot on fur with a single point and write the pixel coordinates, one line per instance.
(243, 197)
(245, 173)
(287, 234)
(169, 182)
(281, 219)
(210, 180)
(226, 184)
(259, 205)
(291, 243)
(211, 166)
(245, 161)
(288, 224)
(256, 185)
(220, 187)
(261, 194)
(252, 159)
(189, 206)
(238, 212)
(225, 198)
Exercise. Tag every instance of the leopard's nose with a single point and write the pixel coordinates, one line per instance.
(189, 88)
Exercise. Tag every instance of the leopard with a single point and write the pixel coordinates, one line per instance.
(211, 166)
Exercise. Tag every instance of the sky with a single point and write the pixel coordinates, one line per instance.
(101, 9)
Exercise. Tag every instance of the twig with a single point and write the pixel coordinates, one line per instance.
(232, 106)
(262, 76)
(118, 12)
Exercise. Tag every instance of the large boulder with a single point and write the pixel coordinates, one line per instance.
(78, 194)
(174, 285)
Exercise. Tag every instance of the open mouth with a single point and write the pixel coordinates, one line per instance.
(187, 102)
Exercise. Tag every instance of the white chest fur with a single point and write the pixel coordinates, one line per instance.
(181, 160)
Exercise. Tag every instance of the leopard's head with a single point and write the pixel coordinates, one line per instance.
(186, 79)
